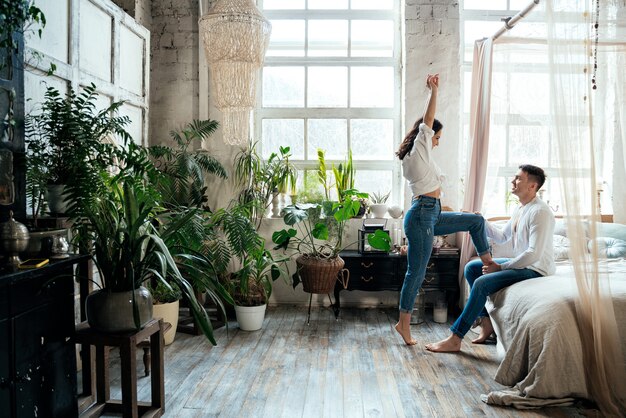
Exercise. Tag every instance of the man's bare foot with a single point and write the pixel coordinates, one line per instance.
(405, 334)
(486, 329)
(452, 344)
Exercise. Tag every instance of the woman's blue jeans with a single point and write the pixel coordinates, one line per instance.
(422, 222)
(482, 286)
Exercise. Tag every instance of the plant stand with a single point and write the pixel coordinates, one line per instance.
(127, 343)
(308, 316)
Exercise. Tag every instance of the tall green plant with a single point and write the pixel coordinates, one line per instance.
(321, 173)
(127, 247)
(71, 143)
(186, 167)
(344, 176)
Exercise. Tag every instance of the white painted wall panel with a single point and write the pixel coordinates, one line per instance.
(135, 128)
(132, 54)
(96, 29)
(35, 86)
(55, 38)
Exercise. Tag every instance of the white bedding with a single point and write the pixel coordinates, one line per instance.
(539, 340)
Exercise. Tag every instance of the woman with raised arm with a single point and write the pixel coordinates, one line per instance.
(424, 219)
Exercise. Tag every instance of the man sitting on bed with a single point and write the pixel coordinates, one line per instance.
(530, 229)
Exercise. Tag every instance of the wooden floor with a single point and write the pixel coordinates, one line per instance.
(354, 367)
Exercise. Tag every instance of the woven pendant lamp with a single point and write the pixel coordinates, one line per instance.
(235, 36)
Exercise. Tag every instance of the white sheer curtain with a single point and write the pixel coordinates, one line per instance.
(579, 117)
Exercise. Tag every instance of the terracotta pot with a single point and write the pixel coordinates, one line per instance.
(113, 311)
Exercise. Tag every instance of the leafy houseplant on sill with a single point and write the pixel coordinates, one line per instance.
(318, 262)
(165, 305)
(128, 250)
(379, 204)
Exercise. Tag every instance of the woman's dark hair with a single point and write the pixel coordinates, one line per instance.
(409, 139)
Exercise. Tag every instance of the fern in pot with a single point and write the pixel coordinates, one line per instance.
(165, 304)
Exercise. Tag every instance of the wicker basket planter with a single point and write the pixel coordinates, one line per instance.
(319, 274)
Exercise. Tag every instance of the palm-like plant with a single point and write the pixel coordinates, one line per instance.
(186, 168)
(128, 248)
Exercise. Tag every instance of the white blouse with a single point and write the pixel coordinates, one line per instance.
(418, 166)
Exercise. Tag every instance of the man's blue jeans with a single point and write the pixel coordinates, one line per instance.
(482, 286)
(422, 222)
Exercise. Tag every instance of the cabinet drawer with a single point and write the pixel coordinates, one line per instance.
(372, 274)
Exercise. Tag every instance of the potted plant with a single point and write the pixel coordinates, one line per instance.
(65, 140)
(128, 250)
(379, 204)
(166, 302)
(318, 261)
(247, 268)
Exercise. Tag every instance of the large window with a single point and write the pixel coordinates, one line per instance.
(331, 80)
(519, 104)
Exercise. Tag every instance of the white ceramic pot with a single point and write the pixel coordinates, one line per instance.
(57, 202)
(379, 210)
(250, 318)
(169, 313)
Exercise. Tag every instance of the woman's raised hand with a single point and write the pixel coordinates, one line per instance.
(432, 81)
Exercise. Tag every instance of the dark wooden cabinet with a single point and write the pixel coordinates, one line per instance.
(37, 354)
(376, 272)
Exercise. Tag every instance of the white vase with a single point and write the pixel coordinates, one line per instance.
(395, 211)
(276, 205)
(169, 313)
(57, 202)
(379, 210)
(250, 318)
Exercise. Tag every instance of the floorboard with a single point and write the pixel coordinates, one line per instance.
(356, 366)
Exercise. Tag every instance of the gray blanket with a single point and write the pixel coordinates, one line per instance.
(539, 338)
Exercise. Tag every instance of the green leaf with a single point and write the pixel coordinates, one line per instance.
(320, 231)
(379, 240)
(293, 215)
(282, 238)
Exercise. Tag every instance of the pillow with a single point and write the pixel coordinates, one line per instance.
(560, 227)
(617, 231)
(561, 247)
(609, 247)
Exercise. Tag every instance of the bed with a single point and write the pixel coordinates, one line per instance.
(538, 335)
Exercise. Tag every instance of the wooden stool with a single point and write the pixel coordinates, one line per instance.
(127, 343)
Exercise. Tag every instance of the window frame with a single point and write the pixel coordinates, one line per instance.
(347, 113)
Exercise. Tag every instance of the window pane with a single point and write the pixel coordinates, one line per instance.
(528, 145)
(371, 87)
(331, 135)
(529, 101)
(283, 4)
(372, 4)
(328, 4)
(374, 181)
(372, 38)
(484, 5)
(283, 132)
(371, 139)
(283, 87)
(328, 38)
(328, 87)
(287, 39)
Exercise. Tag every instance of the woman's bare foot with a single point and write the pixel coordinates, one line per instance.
(486, 329)
(405, 334)
(403, 327)
(452, 344)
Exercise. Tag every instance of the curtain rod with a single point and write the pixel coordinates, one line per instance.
(509, 22)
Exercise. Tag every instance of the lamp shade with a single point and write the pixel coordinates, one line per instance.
(235, 36)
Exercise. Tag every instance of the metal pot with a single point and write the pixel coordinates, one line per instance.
(14, 238)
(113, 311)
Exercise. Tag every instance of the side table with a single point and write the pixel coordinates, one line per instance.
(127, 343)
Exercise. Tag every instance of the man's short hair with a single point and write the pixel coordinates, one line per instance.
(535, 174)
